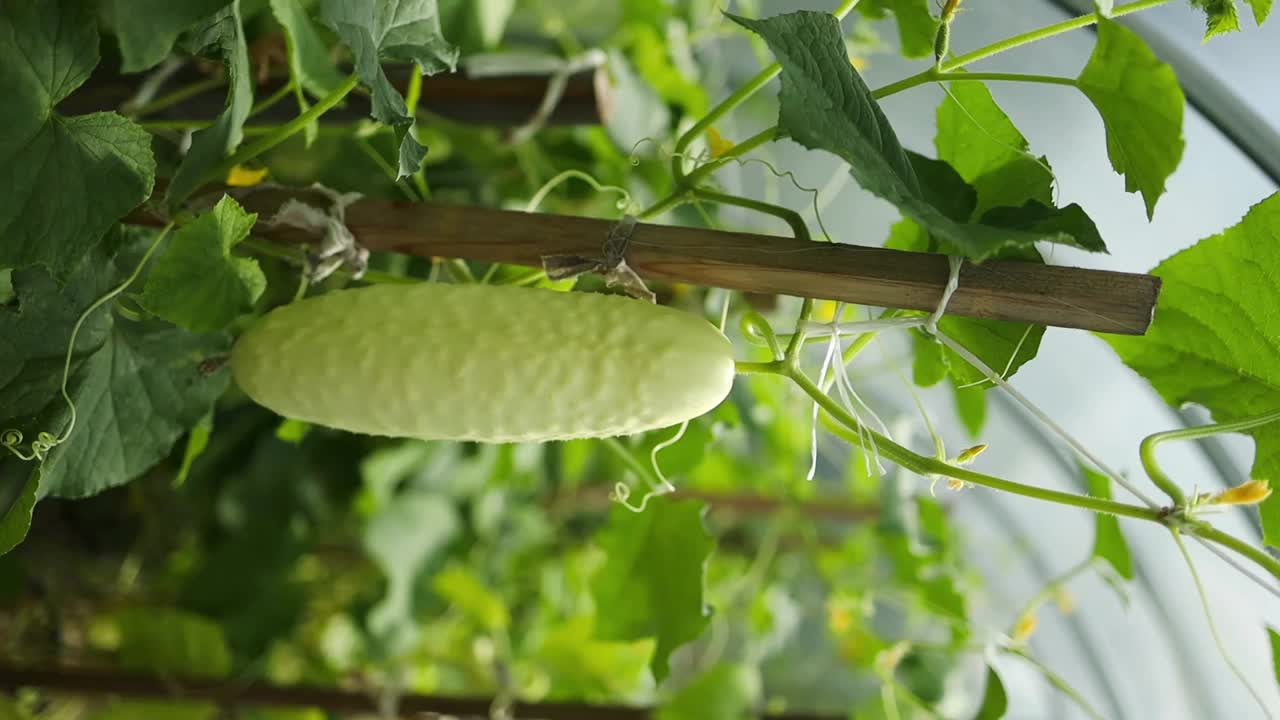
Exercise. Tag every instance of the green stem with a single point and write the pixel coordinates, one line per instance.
(275, 97)
(736, 98)
(743, 367)
(787, 215)
(1007, 77)
(921, 465)
(284, 132)
(943, 69)
(685, 184)
(1052, 587)
(1045, 32)
(1058, 682)
(1259, 556)
(846, 427)
(175, 97)
(1213, 627)
(1147, 450)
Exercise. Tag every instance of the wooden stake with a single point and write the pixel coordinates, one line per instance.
(1099, 300)
(230, 693)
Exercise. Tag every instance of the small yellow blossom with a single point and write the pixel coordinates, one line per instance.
(241, 176)
(1250, 492)
(1026, 625)
(839, 619)
(968, 456)
(719, 145)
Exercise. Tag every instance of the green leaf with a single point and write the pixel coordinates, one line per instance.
(309, 60)
(981, 143)
(916, 24)
(1141, 105)
(651, 584)
(971, 407)
(66, 179)
(137, 386)
(1275, 653)
(17, 518)
(725, 692)
(197, 283)
(1108, 542)
(995, 703)
(1215, 339)
(147, 29)
(1220, 16)
(397, 30)
(402, 539)
(491, 19)
(1261, 9)
(211, 146)
(582, 667)
(826, 105)
(166, 640)
(465, 591)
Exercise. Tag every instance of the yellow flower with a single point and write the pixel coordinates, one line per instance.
(241, 176)
(839, 619)
(1065, 600)
(1026, 625)
(719, 146)
(1250, 492)
(967, 456)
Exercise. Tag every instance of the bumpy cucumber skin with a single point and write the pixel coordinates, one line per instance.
(483, 363)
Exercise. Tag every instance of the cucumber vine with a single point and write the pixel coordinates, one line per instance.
(491, 533)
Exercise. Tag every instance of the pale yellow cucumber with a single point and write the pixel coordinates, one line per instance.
(485, 363)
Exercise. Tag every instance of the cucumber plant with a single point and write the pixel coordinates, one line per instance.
(319, 465)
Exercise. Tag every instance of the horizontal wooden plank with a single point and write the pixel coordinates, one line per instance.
(1098, 300)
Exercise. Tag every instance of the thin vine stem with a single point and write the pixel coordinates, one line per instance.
(1058, 682)
(736, 98)
(1147, 450)
(845, 425)
(792, 218)
(284, 132)
(176, 96)
(1213, 627)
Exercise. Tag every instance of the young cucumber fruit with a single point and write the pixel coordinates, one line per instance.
(483, 363)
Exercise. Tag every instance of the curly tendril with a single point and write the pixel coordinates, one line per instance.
(11, 438)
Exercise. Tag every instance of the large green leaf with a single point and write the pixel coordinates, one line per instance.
(16, 520)
(65, 179)
(1219, 15)
(1215, 339)
(995, 702)
(209, 147)
(164, 640)
(402, 539)
(725, 692)
(916, 24)
(1141, 105)
(826, 105)
(1108, 542)
(651, 584)
(403, 30)
(582, 667)
(196, 283)
(464, 591)
(137, 386)
(147, 29)
(309, 60)
(977, 138)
